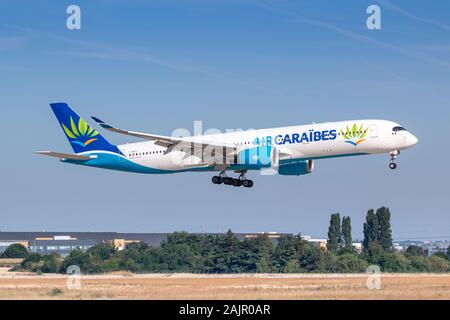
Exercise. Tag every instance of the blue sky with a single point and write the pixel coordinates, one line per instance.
(155, 66)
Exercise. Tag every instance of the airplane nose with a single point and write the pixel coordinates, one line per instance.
(412, 140)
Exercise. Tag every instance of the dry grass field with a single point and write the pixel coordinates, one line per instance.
(186, 286)
(5, 263)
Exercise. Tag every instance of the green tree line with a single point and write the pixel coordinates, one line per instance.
(226, 253)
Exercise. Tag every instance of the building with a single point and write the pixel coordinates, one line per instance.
(433, 247)
(64, 242)
(358, 247)
(62, 247)
(321, 243)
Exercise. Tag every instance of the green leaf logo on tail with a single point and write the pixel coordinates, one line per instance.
(355, 135)
(81, 134)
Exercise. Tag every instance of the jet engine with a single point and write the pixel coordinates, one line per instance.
(296, 168)
(258, 157)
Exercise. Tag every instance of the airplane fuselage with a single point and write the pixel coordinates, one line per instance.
(294, 143)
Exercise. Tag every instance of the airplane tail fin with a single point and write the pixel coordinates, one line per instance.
(81, 136)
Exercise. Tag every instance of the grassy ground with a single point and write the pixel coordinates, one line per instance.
(187, 286)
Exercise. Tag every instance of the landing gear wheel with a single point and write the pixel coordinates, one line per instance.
(216, 180)
(236, 182)
(227, 180)
(393, 155)
(393, 165)
(247, 183)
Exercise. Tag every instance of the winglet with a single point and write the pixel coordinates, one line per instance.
(98, 120)
(102, 123)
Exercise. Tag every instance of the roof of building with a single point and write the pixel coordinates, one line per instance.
(63, 242)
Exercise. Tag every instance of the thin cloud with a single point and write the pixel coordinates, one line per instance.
(105, 52)
(410, 15)
(352, 35)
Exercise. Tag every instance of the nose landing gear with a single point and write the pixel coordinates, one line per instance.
(241, 181)
(392, 164)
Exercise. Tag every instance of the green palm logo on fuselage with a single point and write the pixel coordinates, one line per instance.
(354, 135)
(81, 134)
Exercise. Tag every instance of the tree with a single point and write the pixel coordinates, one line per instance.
(334, 233)
(182, 252)
(420, 264)
(370, 230)
(49, 263)
(415, 251)
(439, 264)
(224, 254)
(350, 263)
(102, 251)
(15, 251)
(256, 255)
(284, 254)
(347, 234)
(78, 258)
(312, 258)
(374, 254)
(384, 229)
(440, 255)
(292, 266)
(263, 265)
(139, 257)
(394, 262)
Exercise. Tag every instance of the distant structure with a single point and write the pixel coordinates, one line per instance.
(322, 243)
(64, 242)
(432, 247)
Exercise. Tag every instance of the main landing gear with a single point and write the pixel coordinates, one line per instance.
(392, 164)
(241, 181)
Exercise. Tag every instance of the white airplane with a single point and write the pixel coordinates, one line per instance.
(285, 150)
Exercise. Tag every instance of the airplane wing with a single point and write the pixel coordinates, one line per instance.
(194, 147)
(169, 142)
(162, 141)
(65, 155)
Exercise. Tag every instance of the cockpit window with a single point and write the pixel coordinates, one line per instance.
(395, 129)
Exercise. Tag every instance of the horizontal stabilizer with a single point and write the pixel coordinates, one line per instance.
(65, 155)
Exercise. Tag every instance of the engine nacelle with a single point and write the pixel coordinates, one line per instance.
(296, 168)
(258, 157)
